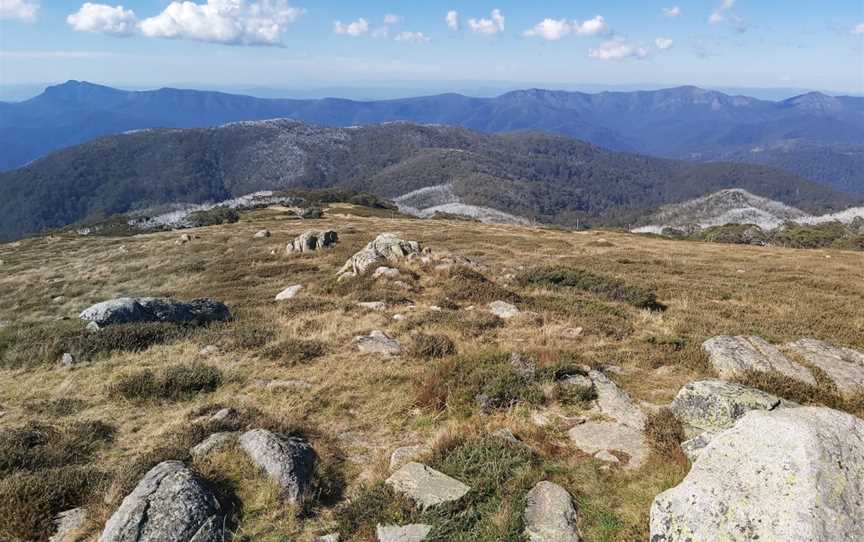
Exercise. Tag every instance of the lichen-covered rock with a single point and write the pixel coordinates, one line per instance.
(615, 403)
(426, 486)
(791, 474)
(416, 532)
(594, 437)
(387, 247)
(312, 240)
(714, 405)
(504, 310)
(287, 461)
(377, 342)
(126, 310)
(407, 454)
(549, 514)
(289, 292)
(387, 273)
(734, 356)
(844, 366)
(213, 444)
(172, 503)
(693, 447)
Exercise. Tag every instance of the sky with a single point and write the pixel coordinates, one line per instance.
(434, 43)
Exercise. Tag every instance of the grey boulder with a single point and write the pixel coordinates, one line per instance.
(550, 515)
(596, 437)
(791, 474)
(69, 524)
(426, 486)
(215, 443)
(734, 356)
(289, 462)
(387, 247)
(312, 240)
(615, 403)
(172, 503)
(844, 366)
(126, 310)
(416, 532)
(377, 342)
(504, 310)
(714, 405)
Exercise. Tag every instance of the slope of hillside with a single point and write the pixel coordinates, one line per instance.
(543, 177)
(679, 122)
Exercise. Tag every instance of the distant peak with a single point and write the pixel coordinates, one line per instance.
(80, 91)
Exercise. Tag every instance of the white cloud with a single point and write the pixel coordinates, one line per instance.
(552, 30)
(20, 10)
(355, 29)
(672, 12)
(488, 27)
(618, 49)
(412, 37)
(103, 19)
(721, 13)
(391, 18)
(232, 22)
(664, 43)
(859, 29)
(452, 20)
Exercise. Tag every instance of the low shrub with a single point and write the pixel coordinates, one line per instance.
(665, 434)
(600, 285)
(294, 351)
(432, 346)
(371, 505)
(466, 284)
(467, 323)
(172, 383)
(64, 406)
(36, 446)
(213, 217)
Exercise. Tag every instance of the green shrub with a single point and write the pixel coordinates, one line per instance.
(593, 283)
(466, 284)
(665, 434)
(213, 217)
(432, 346)
(371, 505)
(172, 383)
(36, 446)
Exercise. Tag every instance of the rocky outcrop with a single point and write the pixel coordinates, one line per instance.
(734, 356)
(615, 403)
(387, 247)
(213, 444)
(416, 532)
(550, 515)
(844, 366)
(287, 461)
(791, 474)
(714, 405)
(504, 310)
(69, 524)
(426, 486)
(312, 240)
(377, 342)
(597, 437)
(126, 310)
(172, 503)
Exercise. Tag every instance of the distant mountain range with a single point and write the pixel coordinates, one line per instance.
(527, 175)
(814, 135)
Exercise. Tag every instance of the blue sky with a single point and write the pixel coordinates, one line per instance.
(741, 43)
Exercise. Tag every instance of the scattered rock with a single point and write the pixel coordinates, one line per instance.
(209, 350)
(793, 474)
(58, 299)
(407, 454)
(373, 305)
(714, 405)
(504, 310)
(523, 366)
(276, 385)
(262, 234)
(426, 486)
(289, 292)
(4, 324)
(213, 444)
(185, 238)
(387, 247)
(288, 461)
(153, 309)
(386, 272)
(399, 317)
(67, 361)
(571, 333)
(69, 524)
(593, 437)
(507, 435)
(577, 381)
(377, 342)
(550, 515)
(844, 366)
(415, 532)
(693, 447)
(733, 356)
(332, 537)
(223, 414)
(606, 457)
(311, 240)
(172, 503)
(615, 403)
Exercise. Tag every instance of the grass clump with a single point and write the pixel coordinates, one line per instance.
(466, 323)
(824, 394)
(371, 505)
(30, 501)
(36, 446)
(466, 284)
(665, 434)
(600, 285)
(172, 383)
(294, 351)
(486, 380)
(64, 406)
(432, 346)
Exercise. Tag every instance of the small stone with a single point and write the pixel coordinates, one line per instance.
(58, 299)
(332, 537)
(571, 333)
(289, 461)
(377, 342)
(386, 272)
(69, 524)
(213, 444)
(504, 310)
(550, 515)
(373, 305)
(262, 234)
(67, 361)
(183, 239)
(426, 486)
(407, 454)
(399, 317)
(223, 414)
(289, 292)
(416, 532)
(605, 456)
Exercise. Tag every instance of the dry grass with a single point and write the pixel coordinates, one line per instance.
(356, 409)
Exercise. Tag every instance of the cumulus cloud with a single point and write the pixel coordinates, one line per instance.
(859, 29)
(672, 12)
(664, 43)
(618, 49)
(412, 37)
(488, 27)
(552, 30)
(103, 19)
(20, 10)
(355, 29)
(452, 19)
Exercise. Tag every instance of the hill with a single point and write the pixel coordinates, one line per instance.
(541, 177)
(83, 433)
(684, 122)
